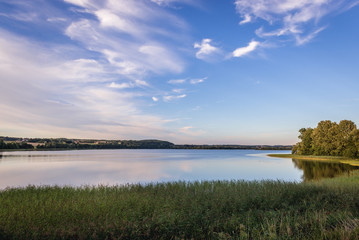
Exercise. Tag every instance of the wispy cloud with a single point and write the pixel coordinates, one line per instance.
(171, 2)
(56, 19)
(177, 81)
(303, 40)
(124, 33)
(94, 82)
(247, 19)
(132, 84)
(39, 101)
(169, 98)
(177, 90)
(198, 80)
(119, 85)
(292, 18)
(240, 52)
(189, 130)
(187, 80)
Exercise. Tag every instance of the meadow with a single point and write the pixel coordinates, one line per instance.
(328, 209)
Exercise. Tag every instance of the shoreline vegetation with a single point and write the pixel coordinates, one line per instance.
(325, 209)
(44, 144)
(345, 160)
(329, 139)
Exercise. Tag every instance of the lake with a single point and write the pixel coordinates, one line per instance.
(115, 167)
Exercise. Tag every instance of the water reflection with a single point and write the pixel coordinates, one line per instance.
(315, 170)
(111, 167)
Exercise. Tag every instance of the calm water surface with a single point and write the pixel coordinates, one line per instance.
(111, 167)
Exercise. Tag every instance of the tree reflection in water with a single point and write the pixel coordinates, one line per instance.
(315, 170)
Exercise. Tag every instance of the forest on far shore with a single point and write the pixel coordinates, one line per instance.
(329, 139)
(15, 143)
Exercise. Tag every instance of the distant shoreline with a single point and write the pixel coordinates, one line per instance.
(70, 149)
(17, 144)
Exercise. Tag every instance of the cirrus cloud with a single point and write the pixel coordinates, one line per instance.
(93, 81)
(292, 18)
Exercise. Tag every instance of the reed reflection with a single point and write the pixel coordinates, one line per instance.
(315, 170)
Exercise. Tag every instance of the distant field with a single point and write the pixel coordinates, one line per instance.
(199, 210)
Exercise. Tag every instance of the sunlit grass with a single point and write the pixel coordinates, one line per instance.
(182, 210)
(350, 161)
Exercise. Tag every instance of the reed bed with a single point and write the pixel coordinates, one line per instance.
(328, 209)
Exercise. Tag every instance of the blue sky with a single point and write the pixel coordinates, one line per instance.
(186, 71)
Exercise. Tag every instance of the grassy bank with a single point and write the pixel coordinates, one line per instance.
(350, 161)
(328, 209)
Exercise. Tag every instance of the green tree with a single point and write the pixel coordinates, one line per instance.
(305, 146)
(329, 139)
(2, 144)
(355, 139)
(344, 137)
(323, 138)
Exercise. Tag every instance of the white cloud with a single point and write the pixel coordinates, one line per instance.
(82, 3)
(125, 34)
(163, 2)
(198, 80)
(177, 81)
(189, 130)
(119, 85)
(177, 90)
(155, 99)
(169, 98)
(206, 50)
(142, 83)
(56, 19)
(239, 52)
(160, 59)
(185, 129)
(189, 80)
(247, 19)
(171, 2)
(292, 18)
(131, 84)
(303, 40)
(110, 19)
(44, 94)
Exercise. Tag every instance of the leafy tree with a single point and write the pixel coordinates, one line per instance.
(2, 144)
(323, 142)
(305, 146)
(344, 138)
(355, 139)
(329, 139)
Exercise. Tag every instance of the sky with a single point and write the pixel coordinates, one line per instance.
(185, 71)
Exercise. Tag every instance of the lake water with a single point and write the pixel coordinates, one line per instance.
(116, 167)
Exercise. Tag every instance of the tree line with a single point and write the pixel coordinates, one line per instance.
(64, 143)
(15, 145)
(329, 139)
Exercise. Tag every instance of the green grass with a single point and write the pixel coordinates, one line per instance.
(328, 209)
(350, 161)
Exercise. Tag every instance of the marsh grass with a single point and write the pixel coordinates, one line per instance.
(328, 209)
